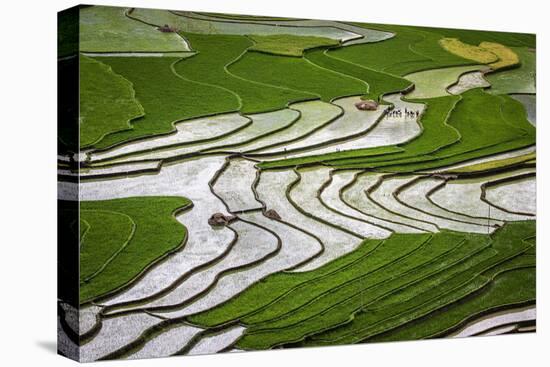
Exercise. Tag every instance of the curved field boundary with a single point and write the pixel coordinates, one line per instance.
(449, 297)
(176, 120)
(501, 181)
(420, 246)
(444, 77)
(514, 261)
(225, 272)
(433, 162)
(111, 310)
(307, 195)
(472, 255)
(146, 268)
(82, 235)
(413, 182)
(299, 286)
(369, 192)
(457, 178)
(403, 146)
(257, 137)
(197, 16)
(211, 332)
(218, 276)
(505, 256)
(138, 343)
(494, 165)
(211, 184)
(245, 17)
(318, 145)
(257, 325)
(357, 72)
(78, 176)
(217, 343)
(93, 331)
(494, 320)
(127, 14)
(340, 267)
(132, 103)
(455, 85)
(469, 160)
(381, 136)
(377, 158)
(276, 86)
(71, 334)
(452, 155)
(420, 59)
(235, 184)
(121, 308)
(308, 233)
(255, 151)
(109, 158)
(464, 218)
(166, 343)
(135, 139)
(115, 253)
(308, 214)
(277, 21)
(360, 293)
(353, 316)
(482, 313)
(319, 196)
(216, 149)
(350, 184)
(500, 260)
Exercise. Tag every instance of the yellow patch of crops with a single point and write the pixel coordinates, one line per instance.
(506, 56)
(475, 53)
(493, 54)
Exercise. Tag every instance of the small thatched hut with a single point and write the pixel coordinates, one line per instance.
(167, 29)
(271, 213)
(218, 219)
(367, 105)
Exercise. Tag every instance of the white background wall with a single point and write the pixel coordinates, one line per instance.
(28, 181)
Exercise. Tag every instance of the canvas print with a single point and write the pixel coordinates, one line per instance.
(232, 183)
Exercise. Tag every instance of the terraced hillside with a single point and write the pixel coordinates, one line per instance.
(250, 183)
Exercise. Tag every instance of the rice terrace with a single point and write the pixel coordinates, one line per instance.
(240, 183)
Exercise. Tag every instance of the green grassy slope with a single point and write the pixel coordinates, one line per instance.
(517, 80)
(475, 37)
(106, 233)
(297, 74)
(496, 295)
(152, 217)
(215, 54)
(385, 316)
(165, 97)
(288, 44)
(107, 102)
(401, 279)
(106, 29)
(435, 135)
(378, 83)
(486, 124)
(408, 51)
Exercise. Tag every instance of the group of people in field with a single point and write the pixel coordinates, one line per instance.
(401, 113)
